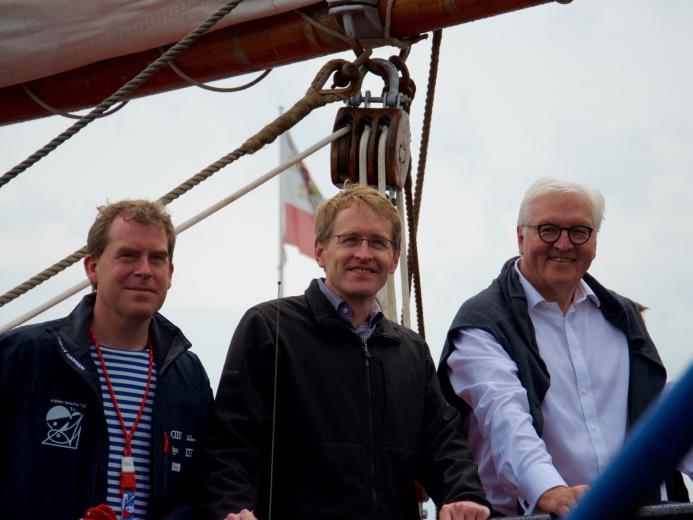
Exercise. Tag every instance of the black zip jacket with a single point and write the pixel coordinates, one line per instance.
(356, 423)
(53, 438)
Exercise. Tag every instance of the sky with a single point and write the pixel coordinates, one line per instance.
(596, 91)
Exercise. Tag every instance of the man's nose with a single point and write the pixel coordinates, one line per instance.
(563, 241)
(363, 249)
(144, 267)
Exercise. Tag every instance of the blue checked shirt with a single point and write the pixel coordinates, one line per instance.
(366, 328)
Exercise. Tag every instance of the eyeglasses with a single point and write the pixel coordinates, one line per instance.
(550, 233)
(352, 241)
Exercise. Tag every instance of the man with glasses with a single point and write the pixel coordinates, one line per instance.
(550, 367)
(326, 409)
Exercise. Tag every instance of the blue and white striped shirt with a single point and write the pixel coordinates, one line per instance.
(128, 373)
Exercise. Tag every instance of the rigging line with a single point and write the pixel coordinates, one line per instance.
(44, 275)
(355, 43)
(274, 404)
(182, 75)
(414, 200)
(426, 129)
(48, 108)
(388, 19)
(192, 221)
(315, 97)
(122, 92)
(404, 266)
(413, 258)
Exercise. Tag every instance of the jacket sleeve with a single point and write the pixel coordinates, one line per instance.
(239, 435)
(6, 369)
(446, 467)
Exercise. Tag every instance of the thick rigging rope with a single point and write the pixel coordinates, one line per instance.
(413, 201)
(122, 92)
(314, 98)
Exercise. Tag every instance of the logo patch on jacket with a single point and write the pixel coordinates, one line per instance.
(64, 424)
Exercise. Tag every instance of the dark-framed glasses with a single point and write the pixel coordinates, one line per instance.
(550, 233)
(352, 241)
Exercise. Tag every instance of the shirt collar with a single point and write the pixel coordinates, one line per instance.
(344, 309)
(534, 298)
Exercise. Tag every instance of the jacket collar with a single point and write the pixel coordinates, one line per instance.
(72, 333)
(514, 294)
(325, 314)
(617, 310)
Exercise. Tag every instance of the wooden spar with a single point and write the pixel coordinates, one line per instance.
(235, 50)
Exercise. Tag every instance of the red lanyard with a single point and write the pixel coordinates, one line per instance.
(127, 436)
(127, 470)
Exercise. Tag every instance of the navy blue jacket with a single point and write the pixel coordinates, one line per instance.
(53, 437)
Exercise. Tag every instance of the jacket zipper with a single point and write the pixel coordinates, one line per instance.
(158, 476)
(367, 365)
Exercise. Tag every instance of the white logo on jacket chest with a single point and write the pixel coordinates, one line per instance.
(64, 424)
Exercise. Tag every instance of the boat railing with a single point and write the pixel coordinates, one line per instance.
(672, 511)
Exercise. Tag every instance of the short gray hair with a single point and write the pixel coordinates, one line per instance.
(548, 185)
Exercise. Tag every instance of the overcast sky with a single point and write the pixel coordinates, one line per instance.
(597, 91)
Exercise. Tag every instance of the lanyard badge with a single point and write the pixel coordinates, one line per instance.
(127, 486)
(127, 464)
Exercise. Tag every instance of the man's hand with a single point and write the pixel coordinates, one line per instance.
(243, 515)
(560, 500)
(100, 512)
(465, 510)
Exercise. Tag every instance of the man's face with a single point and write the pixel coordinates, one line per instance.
(133, 274)
(554, 269)
(357, 273)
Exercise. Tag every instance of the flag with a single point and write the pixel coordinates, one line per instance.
(299, 199)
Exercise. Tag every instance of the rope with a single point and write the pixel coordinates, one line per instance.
(413, 259)
(44, 275)
(122, 92)
(48, 108)
(182, 75)
(414, 201)
(315, 97)
(191, 221)
(355, 43)
(426, 129)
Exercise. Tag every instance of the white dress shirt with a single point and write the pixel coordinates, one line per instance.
(584, 410)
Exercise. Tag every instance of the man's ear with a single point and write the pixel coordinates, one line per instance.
(90, 269)
(395, 262)
(521, 239)
(320, 253)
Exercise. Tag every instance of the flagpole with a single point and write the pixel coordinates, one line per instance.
(282, 253)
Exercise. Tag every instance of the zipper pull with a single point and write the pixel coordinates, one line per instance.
(367, 355)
